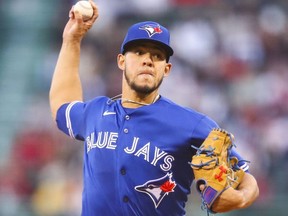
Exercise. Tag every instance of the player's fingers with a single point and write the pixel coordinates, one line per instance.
(71, 14)
(95, 11)
(78, 16)
(201, 187)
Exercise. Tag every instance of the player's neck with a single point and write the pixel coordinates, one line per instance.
(135, 101)
(129, 103)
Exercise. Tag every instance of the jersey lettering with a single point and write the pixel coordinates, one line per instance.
(104, 139)
(108, 140)
(133, 147)
(103, 143)
(167, 163)
(112, 139)
(145, 151)
(157, 156)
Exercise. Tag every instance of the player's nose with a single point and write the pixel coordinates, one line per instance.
(147, 59)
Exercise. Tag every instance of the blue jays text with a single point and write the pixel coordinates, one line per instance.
(108, 140)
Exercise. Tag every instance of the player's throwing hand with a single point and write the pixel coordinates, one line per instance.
(76, 28)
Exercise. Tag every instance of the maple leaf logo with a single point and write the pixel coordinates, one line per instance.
(168, 186)
(157, 189)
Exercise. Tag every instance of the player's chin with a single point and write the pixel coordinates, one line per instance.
(144, 88)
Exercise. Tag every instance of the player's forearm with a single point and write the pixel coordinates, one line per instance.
(249, 189)
(243, 197)
(66, 84)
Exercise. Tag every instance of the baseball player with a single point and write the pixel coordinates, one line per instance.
(137, 144)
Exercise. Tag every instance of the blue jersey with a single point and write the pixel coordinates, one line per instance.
(135, 160)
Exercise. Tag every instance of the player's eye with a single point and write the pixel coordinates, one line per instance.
(138, 52)
(155, 54)
(159, 56)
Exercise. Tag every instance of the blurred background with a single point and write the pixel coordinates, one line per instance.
(230, 62)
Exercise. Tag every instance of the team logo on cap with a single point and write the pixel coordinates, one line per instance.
(151, 29)
(157, 189)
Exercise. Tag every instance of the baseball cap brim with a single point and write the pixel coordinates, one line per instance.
(169, 51)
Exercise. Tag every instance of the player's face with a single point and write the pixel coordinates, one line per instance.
(144, 67)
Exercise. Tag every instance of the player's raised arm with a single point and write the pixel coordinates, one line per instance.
(66, 84)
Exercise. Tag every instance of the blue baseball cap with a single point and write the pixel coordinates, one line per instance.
(148, 31)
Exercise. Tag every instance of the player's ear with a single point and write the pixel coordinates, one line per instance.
(167, 69)
(121, 62)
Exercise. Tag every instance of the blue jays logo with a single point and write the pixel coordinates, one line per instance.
(157, 189)
(151, 30)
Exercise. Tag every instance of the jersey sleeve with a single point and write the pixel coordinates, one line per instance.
(70, 119)
(242, 163)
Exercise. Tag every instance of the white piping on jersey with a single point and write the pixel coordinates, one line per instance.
(68, 120)
(245, 167)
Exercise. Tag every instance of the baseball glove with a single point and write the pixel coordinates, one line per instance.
(213, 168)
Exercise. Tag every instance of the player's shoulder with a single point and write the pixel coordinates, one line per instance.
(99, 101)
(186, 112)
(172, 106)
(89, 106)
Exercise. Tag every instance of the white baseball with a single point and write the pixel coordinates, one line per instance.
(85, 8)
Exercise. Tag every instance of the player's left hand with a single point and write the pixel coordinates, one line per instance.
(214, 170)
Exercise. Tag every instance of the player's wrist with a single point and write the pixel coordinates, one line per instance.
(71, 44)
(73, 40)
(230, 199)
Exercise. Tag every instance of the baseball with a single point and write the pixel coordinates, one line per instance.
(85, 8)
